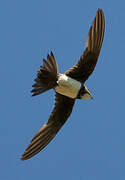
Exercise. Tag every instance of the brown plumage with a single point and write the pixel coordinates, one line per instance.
(47, 79)
(46, 76)
(85, 66)
(49, 130)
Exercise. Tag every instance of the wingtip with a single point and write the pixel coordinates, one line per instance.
(22, 158)
(33, 95)
(99, 9)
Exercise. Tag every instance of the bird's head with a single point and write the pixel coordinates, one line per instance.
(85, 93)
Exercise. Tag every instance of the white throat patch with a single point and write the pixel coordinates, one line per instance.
(68, 86)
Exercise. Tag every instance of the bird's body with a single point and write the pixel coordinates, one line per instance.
(68, 86)
(71, 88)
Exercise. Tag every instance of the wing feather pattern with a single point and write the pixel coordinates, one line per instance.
(85, 66)
(61, 112)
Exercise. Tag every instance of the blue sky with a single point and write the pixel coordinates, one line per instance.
(91, 145)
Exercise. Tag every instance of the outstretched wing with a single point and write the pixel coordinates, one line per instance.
(61, 112)
(85, 66)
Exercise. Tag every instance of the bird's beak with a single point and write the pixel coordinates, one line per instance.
(89, 93)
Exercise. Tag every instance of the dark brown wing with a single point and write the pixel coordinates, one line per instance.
(85, 66)
(61, 112)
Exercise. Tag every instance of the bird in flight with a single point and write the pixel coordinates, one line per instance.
(68, 86)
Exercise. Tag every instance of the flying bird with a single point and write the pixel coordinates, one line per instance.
(68, 86)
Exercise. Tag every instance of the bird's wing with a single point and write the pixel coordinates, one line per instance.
(85, 66)
(61, 112)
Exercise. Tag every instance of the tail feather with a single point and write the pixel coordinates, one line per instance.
(46, 76)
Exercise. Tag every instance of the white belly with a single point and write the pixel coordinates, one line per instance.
(68, 86)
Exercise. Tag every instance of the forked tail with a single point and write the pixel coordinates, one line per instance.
(46, 76)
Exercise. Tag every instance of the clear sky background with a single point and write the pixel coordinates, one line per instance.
(91, 145)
